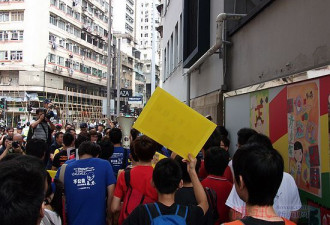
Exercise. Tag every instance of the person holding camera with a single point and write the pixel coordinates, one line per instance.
(10, 146)
(42, 128)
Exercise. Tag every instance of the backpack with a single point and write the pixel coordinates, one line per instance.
(212, 200)
(133, 198)
(156, 217)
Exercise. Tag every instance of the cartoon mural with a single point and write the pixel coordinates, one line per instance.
(259, 111)
(303, 136)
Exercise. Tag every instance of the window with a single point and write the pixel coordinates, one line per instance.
(62, 6)
(76, 49)
(20, 37)
(146, 27)
(77, 16)
(60, 60)
(52, 20)
(51, 58)
(3, 55)
(76, 32)
(61, 24)
(69, 11)
(14, 35)
(53, 2)
(146, 34)
(176, 44)
(4, 16)
(146, 20)
(17, 16)
(16, 55)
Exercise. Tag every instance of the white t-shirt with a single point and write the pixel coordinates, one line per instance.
(51, 216)
(286, 200)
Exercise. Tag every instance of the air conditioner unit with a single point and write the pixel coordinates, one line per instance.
(60, 69)
(54, 68)
(84, 8)
(70, 71)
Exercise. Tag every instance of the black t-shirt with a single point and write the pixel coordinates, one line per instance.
(248, 220)
(61, 157)
(53, 147)
(140, 216)
(185, 196)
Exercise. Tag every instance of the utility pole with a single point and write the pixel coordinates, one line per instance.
(109, 70)
(153, 56)
(118, 76)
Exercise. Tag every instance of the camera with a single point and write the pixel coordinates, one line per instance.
(48, 114)
(15, 144)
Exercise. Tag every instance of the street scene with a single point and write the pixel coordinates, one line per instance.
(164, 112)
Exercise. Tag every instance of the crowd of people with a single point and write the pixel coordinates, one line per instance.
(98, 181)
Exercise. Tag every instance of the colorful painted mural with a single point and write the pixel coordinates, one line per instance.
(303, 136)
(259, 111)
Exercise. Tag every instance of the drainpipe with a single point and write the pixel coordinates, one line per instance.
(218, 42)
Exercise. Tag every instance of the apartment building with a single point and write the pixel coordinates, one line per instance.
(55, 49)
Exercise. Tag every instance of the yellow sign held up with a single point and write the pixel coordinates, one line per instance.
(173, 124)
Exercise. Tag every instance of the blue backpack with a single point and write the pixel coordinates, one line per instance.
(156, 217)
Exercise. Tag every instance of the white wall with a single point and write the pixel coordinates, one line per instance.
(210, 77)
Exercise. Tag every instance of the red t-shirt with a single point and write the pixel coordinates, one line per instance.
(222, 187)
(140, 180)
(227, 174)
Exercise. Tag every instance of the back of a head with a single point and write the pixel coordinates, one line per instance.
(22, 187)
(260, 139)
(216, 160)
(225, 141)
(68, 138)
(167, 176)
(244, 134)
(145, 148)
(115, 135)
(261, 169)
(106, 148)
(222, 131)
(134, 133)
(36, 147)
(89, 148)
(80, 139)
(213, 140)
(183, 165)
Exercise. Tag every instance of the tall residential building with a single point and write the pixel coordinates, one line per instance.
(55, 49)
(144, 35)
(124, 29)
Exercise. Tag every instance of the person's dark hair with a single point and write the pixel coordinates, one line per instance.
(214, 140)
(89, 148)
(297, 146)
(40, 110)
(134, 133)
(4, 142)
(106, 148)
(222, 131)
(260, 139)
(183, 165)
(22, 186)
(56, 188)
(10, 157)
(244, 134)
(216, 161)
(145, 148)
(67, 138)
(225, 140)
(261, 169)
(82, 136)
(132, 152)
(167, 176)
(36, 147)
(115, 135)
(9, 128)
(92, 132)
(57, 134)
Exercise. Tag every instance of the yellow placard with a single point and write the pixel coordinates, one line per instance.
(52, 173)
(157, 157)
(173, 124)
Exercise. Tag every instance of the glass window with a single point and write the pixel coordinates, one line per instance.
(3, 55)
(17, 16)
(51, 58)
(52, 20)
(14, 35)
(69, 11)
(21, 35)
(4, 16)
(16, 55)
(60, 60)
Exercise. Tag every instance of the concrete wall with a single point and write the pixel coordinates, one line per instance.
(285, 38)
(36, 78)
(209, 78)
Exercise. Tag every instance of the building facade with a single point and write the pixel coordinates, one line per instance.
(54, 49)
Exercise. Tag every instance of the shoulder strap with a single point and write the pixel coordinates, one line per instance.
(128, 177)
(124, 158)
(153, 210)
(182, 211)
(62, 172)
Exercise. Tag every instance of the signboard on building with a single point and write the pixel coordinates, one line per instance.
(135, 100)
(123, 92)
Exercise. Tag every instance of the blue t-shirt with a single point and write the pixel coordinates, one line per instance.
(117, 158)
(86, 183)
